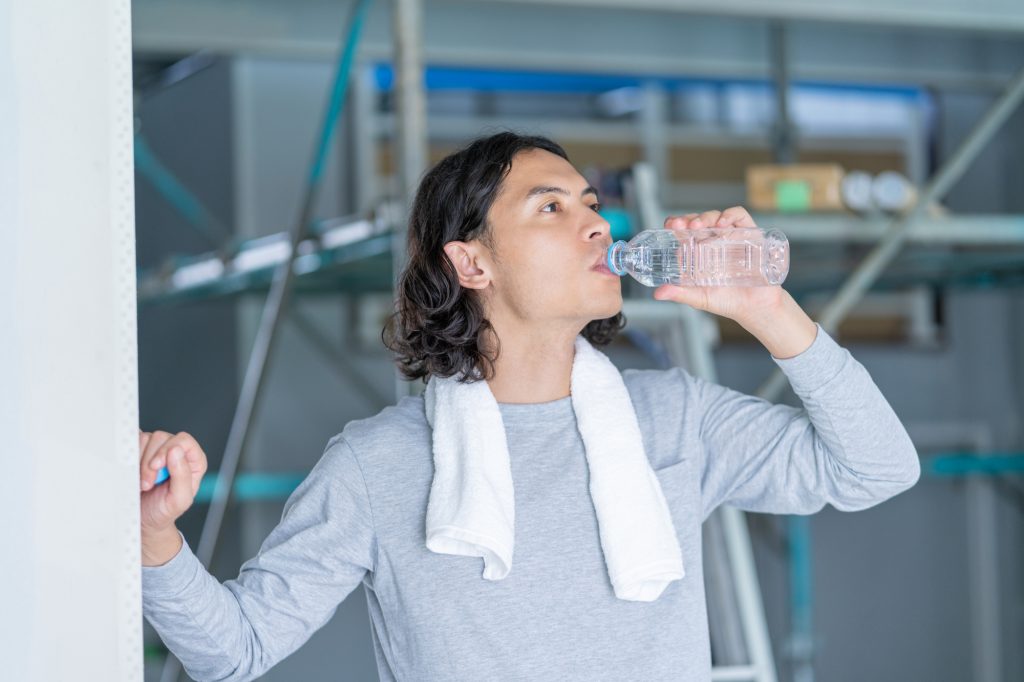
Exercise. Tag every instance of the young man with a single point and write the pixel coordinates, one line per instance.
(506, 246)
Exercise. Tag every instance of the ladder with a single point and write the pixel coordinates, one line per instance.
(740, 646)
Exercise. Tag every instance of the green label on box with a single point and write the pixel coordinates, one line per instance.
(792, 195)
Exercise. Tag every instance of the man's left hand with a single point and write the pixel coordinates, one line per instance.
(767, 312)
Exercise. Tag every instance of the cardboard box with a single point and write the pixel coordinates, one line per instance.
(794, 188)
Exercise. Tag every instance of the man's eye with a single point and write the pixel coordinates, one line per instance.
(547, 206)
(596, 207)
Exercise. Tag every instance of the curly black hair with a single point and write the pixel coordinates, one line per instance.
(438, 327)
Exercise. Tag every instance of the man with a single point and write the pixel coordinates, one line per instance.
(506, 245)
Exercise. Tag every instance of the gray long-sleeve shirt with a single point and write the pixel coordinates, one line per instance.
(359, 518)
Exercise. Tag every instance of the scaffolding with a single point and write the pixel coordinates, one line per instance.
(366, 252)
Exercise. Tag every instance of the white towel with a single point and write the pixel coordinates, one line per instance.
(471, 510)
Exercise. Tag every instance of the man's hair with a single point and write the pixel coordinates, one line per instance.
(439, 327)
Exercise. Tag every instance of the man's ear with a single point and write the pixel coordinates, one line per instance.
(470, 263)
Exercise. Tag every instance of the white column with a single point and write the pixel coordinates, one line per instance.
(70, 567)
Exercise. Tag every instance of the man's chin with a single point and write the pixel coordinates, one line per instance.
(608, 307)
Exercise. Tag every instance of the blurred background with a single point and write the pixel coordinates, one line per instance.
(882, 137)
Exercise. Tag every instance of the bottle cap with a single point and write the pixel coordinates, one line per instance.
(615, 258)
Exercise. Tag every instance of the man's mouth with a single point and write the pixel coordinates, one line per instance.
(601, 266)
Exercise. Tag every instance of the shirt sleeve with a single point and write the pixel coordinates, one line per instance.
(845, 446)
(322, 548)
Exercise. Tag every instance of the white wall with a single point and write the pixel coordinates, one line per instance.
(70, 575)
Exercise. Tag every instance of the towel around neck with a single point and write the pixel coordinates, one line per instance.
(471, 509)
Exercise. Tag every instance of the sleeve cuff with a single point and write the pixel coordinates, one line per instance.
(821, 362)
(168, 580)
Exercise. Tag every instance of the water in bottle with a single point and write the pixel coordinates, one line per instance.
(717, 256)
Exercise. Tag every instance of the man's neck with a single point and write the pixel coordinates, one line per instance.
(532, 366)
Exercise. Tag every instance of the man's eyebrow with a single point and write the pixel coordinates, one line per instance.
(544, 189)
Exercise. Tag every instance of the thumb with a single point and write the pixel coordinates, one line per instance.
(695, 297)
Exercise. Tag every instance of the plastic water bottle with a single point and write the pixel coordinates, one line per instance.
(708, 257)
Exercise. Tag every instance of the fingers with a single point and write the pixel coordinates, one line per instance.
(157, 455)
(679, 222)
(156, 440)
(706, 219)
(737, 216)
(692, 220)
(195, 459)
(152, 459)
(181, 491)
(186, 463)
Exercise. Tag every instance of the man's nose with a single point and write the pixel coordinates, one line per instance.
(598, 228)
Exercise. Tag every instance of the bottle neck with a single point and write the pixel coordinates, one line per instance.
(617, 258)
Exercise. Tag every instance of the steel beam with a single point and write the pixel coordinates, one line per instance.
(861, 279)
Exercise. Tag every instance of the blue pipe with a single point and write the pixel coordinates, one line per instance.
(440, 77)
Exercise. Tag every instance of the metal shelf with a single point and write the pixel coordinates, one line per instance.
(971, 250)
(353, 256)
(449, 127)
(950, 251)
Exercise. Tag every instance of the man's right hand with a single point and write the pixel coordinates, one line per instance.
(161, 505)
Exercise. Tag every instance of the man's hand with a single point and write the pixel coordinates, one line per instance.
(767, 312)
(161, 505)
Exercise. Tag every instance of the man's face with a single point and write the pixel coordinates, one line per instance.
(549, 246)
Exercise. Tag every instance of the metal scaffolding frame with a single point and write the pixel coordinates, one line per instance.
(412, 156)
(739, 629)
(273, 313)
(871, 268)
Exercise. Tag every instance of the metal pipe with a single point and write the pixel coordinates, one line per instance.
(861, 279)
(783, 132)
(856, 285)
(337, 359)
(801, 644)
(411, 156)
(748, 592)
(745, 605)
(411, 100)
(178, 195)
(983, 574)
(975, 464)
(654, 118)
(277, 301)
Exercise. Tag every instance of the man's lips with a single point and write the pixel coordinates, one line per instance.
(601, 266)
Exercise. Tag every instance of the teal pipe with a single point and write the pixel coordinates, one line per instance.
(967, 463)
(253, 486)
(338, 92)
(801, 597)
(278, 486)
(176, 194)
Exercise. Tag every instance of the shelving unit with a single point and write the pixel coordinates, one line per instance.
(956, 250)
(354, 257)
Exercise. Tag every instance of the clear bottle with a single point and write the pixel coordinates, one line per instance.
(717, 256)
